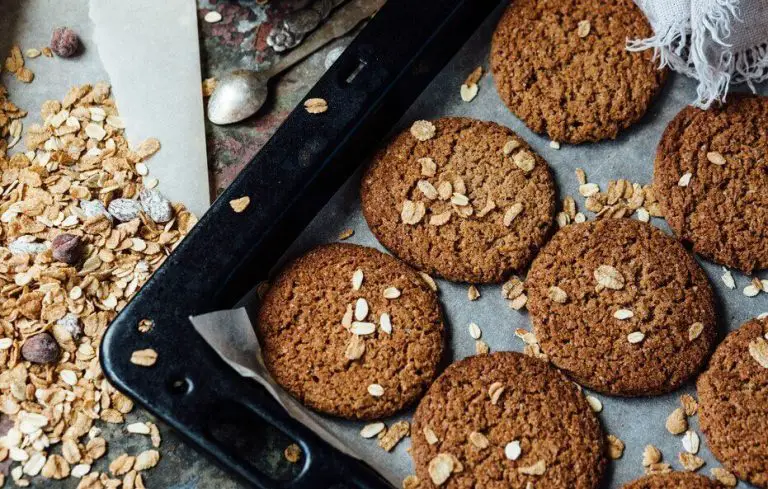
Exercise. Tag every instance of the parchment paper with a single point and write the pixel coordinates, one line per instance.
(148, 51)
(637, 422)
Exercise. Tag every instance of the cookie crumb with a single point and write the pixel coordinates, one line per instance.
(239, 205)
(316, 105)
(292, 453)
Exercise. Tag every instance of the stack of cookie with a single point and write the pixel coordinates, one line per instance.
(616, 305)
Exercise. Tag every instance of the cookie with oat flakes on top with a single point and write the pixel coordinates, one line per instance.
(621, 307)
(351, 331)
(464, 199)
(674, 480)
(733, 402)
(506, 420)
(562, 66)
(711, 178)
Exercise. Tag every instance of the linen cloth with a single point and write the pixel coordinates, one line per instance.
(717, 42)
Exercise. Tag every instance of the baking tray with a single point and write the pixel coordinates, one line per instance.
(368, 89)
(636, 421)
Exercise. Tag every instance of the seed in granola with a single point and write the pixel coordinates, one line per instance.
(372, 429)
(583, 28)
(724, 477)
(615, 447)
(65, 42)
(758, 350)
(292, 453)
(690, 462)
(608, 277)
(41, 348)
(677, 422)
(716, 158)
(157, 207)
(385, 322)
(556, 294)
(651, 455)
(67, 248)
(240, 204)
(394, 434)
(468, 92)
(316, 105)
(144, 358)
(361, 328)
(423, 130)
(361, 309)
(512, 450)
(536, 469)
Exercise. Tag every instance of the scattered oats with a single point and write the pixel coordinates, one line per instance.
(691, 442)
(615, 447)
(595, 404)
(512, 450)
(426, 188)
(115, 121)
(481, 347)
(474, 331)
(479, 440)
(554, 145)
(583, 28)
(527, 336)
(676, 422)
(440, 219)
(716, 158)
(122, 464)
(394, 434)
(473, 293)
(444, 190)
(361, 309)
(56, 467)
(429, 435)
(144, 358)
(459, 199)
(536, 469)
(518, 302)
(556, 294)
(563, 219)
(512, 213)
(292, 453)
(145, 325)
(362, 328)
(468, 92)
(690, 406)
(695, 331)
(32, 53)
(510, 146)
(751, 290)
(658, 468)
(635, 337)
(429, 281)
(440, 468)
(411, 482)
(385, 321)
(588, 189)
(685, 180)
(239, 205)
(146, 460)
(428, 166)
(643, 215)
(391, 293)
(758, 350)
(423, 130)
(375, 390)
(690, 462)
(412, 212)
(371, 430)
(512, 288)
(346, 234)
(357, 279)
(524, 160)
(212, 17)
(315, 105)
(651, 455)
(495, 391)
(95, 131)
(581, 177)
(623, 314)
(724, 477)
(138, 428)
(608, 277)
(355, 348)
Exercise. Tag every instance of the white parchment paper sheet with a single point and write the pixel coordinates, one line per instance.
(637, 422)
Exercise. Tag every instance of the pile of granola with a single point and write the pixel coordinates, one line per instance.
(81, 229)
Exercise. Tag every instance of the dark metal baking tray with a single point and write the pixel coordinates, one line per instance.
(393, 59)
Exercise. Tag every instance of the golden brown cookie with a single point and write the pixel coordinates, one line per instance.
(674, 480)
(351, 331)
(733, 402)
(621, 307)
(464, 199)
(562, 67)
(711, 177)
(505, 420)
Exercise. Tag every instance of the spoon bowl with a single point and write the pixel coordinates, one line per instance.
(238, 95)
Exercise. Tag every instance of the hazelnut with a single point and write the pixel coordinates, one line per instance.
(67, 248)
(64, 42)
(41, 348)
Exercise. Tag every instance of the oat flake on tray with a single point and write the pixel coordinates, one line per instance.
(80, 233)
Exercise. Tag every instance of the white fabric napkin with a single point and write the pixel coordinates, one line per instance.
(718, 42)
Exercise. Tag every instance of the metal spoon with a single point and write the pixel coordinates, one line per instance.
(241, 93)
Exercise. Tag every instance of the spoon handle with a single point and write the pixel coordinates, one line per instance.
(340, 23)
